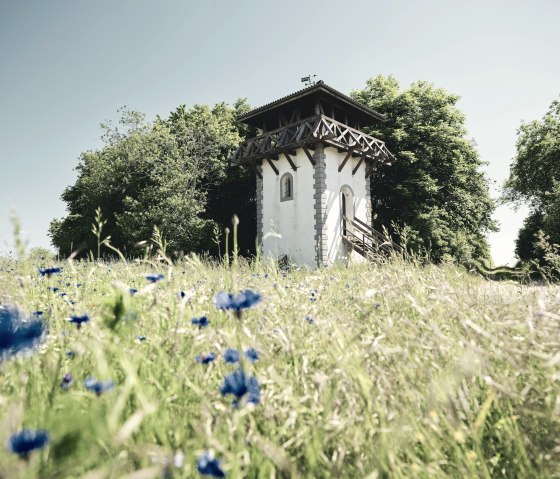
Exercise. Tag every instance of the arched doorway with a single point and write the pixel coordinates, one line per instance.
(347, 208)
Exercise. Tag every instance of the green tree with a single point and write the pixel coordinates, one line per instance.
(525, 241)
(150, 174)
(435, 187)
(228, 190)
(535, 179)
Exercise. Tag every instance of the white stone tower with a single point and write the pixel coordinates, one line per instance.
(313, 165)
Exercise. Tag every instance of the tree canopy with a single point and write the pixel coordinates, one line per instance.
(173, 173)
(535, 179)
(436, 186)
(155, 174)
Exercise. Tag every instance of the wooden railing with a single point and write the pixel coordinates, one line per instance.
(366, 240)
(305, 133)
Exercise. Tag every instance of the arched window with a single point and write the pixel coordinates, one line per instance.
(286, 187)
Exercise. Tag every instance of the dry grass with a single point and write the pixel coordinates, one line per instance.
(405, 371)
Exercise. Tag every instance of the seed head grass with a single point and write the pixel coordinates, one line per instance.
(384, 370)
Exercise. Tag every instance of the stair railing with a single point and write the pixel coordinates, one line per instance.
(366, 238)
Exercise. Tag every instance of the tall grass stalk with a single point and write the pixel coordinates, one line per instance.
(97, 230)
(235, 252)
(226, 252)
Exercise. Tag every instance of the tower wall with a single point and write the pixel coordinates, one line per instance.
(308, 228)
(337, 250)
(288, 227)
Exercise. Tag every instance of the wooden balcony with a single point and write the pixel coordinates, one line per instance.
(305, 133)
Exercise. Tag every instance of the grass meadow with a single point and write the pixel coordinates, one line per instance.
(369, 371)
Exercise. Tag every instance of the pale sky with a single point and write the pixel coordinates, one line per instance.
(68, 65)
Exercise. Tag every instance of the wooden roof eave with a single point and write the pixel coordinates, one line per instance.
(317, 88)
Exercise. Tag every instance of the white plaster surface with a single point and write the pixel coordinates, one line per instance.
(288, 226)
(337, 251)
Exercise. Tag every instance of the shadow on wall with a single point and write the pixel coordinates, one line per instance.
(337, 250)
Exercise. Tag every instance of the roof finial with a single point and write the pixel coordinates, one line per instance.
(308, 80)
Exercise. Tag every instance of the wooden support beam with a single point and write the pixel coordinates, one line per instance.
(306, 151)
(357, 166)
(346, 158)
(318, 107)
(295, 115)
(253, 168)
(300, 132)
(289, 158)
(273, 166)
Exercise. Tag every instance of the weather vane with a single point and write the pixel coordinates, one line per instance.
(309, 80)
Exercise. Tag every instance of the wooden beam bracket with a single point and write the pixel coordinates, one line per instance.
(346, 158)
(289, 158)
(357, 166)
(273, 166)
(306, 151)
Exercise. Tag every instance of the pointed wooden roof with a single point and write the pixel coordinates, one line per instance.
(328, 97)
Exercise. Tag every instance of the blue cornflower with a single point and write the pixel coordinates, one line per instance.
(207, 465)
(54, 289)
(67, 381)
(239, 384)
(16, 334)
(154, 278)
(252, 354)
(132, 291)
(309, 319)
(238, 302)
(98, 387)
(141, 338)
(313, 294)
(70, 354)
(22, 443)
(37, 314)
(201, 322)
(231, 356)
(79, 320)
(205, 358)
(49, 271)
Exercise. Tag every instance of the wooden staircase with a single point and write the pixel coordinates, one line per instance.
(365, 240)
